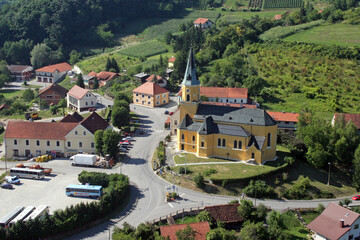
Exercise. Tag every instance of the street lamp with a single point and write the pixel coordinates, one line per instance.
(183, 151)
(328, 183)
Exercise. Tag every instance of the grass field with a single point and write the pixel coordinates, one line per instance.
(145, 49)
(340, 34)
(9, 93)
(234, 17)
(191, 158)
(294, 227)
(309, 216)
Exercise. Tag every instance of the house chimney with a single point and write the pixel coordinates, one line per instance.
(341, 223)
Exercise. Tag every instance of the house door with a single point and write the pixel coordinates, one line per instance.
(16, 153)
(27, 153)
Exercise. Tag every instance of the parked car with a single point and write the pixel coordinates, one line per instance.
(92, 109)
(127, 141)
(121, 149)
(6, 186)
(356, 197)
(166, 112)
(12, 179)
(128, 138)
(124, 144)
(141, 132)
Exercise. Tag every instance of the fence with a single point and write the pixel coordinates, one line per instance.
(179, 214)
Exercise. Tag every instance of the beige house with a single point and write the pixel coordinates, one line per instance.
(80, 99)
(151, 95)
(28, 139)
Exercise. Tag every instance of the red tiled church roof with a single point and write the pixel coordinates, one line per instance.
(172, 59)
(201, 228)
(61, 67)
(150, 88)
(224, 92)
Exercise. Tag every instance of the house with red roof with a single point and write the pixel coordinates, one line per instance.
(80, 99)
(227, 213)
(24, 139)
(347, 117)
(21, 72)
(52, 73)
(336, 222)
(157, 79)
(52, 94)
(103, 77)
(201, 228)
(171, 62)
(286, 121)
(225, 95)
(203, 23)
(151, 95)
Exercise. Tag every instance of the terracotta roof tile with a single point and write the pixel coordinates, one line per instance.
(151, 78)
(150, 88)
(106, 76)
(75, 117)
(77, 92)
(19, 68)
(61, 67)
(354, 117)
(328, 223)
(226, 213)
(4, 106)
(201, 228)
(224, 92)
(172, 59)
(284, 116)
(278, 16)
(56, 88)
(230, 104)
(201, 20)
(38, 130)
(92, 73)
(94, 122)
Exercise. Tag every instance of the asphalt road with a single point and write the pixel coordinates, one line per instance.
(148, 190)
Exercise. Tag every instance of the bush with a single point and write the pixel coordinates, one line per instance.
(181, 170)
(199, 181)
(94, 178)
(298, 190)
(209, 172)
(259, 188)
(320, 208)
(289, 160)
(224, 183)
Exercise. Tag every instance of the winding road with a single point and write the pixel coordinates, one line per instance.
(148, 190)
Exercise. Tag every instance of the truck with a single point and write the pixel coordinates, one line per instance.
(83, 160)
(33, 115)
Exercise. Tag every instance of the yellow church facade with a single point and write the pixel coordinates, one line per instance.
(234, 133)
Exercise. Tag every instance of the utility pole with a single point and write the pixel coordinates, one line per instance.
(185, 163)
(328, 183)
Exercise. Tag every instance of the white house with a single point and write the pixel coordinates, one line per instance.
(336, 222)
(203, 22)
(80, 99)
(52, 73)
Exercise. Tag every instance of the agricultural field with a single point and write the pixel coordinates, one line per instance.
(329, 34)
(255, 4)
(145, 49)
(235, 17)
(299, 80)
(282, 4)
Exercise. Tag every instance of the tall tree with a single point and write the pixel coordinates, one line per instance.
(40, 55)
(111, 140)
(120, 116)
(96, 83)
(99, 141)
(74, 57)
(80, 80)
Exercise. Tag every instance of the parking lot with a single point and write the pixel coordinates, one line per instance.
(49, 191)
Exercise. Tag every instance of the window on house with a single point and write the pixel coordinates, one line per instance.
(27, 142)
(240, 144)
(286, 122)
(182, 136)
(158, 96)
(149, 103)
(38, 152)
(164, 101)
(182, 147)
(137, 94)
(86, 103)
(37, 143)
(157, 102)
(149, 97)
(48, 143)
(84, 133)
(164, 95)
(92, 103)
(193, 138)
(76, 133)
(351, 237)
(241, 101)
(15, 142)
(143, 95)
(137, 100)
(187, 97)
(223, 142)
(188, 90)
(234, 100)
(57, 143)
(92, 145)
(235, 144)
(219, 142)
(80, 144)
(175, 122)
(69, 144)
(202, 144)
(252, 155)
(227, 100)
(269, 140)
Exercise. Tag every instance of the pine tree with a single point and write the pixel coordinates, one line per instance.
(108, 64)
(96, 83)
(80, 81)
(114, 65)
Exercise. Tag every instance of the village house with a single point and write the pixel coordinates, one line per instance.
(225, 95)
(229, 132)
(88, 81)
(347, 117)
(21, 72)
(286, 121)
(104, 77)
(151, 95)
(52, 73)
(24, 139)
(52, 94)
(227, 214)
(158, 80)
(203, 23)
(171, 62)
(336, 223)
(141, 77)
(201, 228)
(80, 99)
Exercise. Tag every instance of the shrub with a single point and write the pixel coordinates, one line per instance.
(320, 208)
(289, 160)
(259, 189)
(285, 176)
(224, 183)
(298, 190)
(209, 172)
(181, 170)
(199, 181)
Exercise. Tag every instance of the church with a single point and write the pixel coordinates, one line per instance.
(222, 131)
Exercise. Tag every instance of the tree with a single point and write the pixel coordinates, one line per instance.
(5, 75)
(261, 213)
(253, 231)
(115, 65)
(221, 234)
(40, 55)
(204, 216)
(145, 231)
(186, 234)
(254, 84)
(111, 140)
(356, 166)
(43, 104)
(120, 116)
(245, 209)
(80, 80)
(18, 52)
(96, 83)
(74, 57)
(99, 141)
(276, 226)
(345, 202)
(28, 95)
(199, 181)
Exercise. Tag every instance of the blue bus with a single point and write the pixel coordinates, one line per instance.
(91, 191)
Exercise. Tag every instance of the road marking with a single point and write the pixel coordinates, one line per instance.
(181, 194)
(171, 205)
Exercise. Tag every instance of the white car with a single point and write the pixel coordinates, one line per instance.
(128, 138)
(12, 179)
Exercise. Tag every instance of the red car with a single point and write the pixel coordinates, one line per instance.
(127, 141)
(92, 109)
(171, 113)
(356, 197)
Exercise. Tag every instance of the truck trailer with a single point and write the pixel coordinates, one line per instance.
(83, 160)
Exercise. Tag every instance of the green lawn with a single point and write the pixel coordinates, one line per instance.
(186, 220)
(145, 49)
(309, 216)
(191, 158)
(66, 83)
(294, 227)
(234, 17)
(330, 34)
(10, 93)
